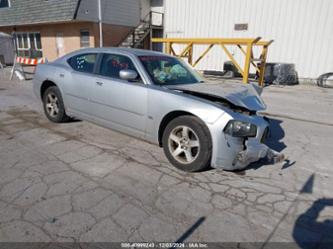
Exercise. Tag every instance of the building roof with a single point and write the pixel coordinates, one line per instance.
(23, 12)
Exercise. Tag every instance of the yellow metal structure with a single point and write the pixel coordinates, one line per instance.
(244, 44)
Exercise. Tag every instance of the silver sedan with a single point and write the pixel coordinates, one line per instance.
(160, 99)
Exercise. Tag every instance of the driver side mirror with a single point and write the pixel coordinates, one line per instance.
(127, 74)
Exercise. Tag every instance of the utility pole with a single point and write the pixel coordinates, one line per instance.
(14, 40)
(100, 22)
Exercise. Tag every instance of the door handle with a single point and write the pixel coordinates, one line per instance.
(99, 83)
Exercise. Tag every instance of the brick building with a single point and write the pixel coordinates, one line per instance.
(51, 28)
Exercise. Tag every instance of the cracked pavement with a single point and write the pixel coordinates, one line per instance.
(80, 182)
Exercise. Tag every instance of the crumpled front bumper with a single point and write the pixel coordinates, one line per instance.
(253, 152)
(232, 153)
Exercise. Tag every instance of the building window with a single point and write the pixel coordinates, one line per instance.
(84, 39)
(29, 45)
(4, 4)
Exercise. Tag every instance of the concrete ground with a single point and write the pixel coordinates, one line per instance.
(81, 182)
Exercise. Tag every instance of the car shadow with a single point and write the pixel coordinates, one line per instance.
(73, 120)
(276, 134)
(287, 164)
(273, 141)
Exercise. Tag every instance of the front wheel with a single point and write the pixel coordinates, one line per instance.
(187, 144)
(54, 106)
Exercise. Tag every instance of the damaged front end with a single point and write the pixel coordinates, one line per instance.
(253, 147)
(242, 143)
(254, 151)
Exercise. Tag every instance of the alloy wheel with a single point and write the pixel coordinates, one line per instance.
(52, 105)
(184, 144)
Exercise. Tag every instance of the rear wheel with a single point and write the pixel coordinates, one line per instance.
(187, 144)
(54, 106)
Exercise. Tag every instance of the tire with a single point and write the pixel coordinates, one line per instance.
(53, 104)
(187, 144)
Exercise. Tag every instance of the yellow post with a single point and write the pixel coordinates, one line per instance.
(262, 66)
(203, 54)
(247, 63)
(172, 52)
(231, 57)
(185, 51)
(190, 54)
(253, 64)
(168, 47)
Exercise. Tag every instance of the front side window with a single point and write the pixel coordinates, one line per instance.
(29, 45)
(112, 64)
(83, 62)
(4, 4)
(165, 70)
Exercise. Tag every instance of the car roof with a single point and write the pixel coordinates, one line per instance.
(133, 51)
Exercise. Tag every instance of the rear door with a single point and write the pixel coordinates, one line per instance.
(120, 103)
(81, 83)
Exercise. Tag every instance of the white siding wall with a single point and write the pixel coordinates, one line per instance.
(118, 12)
(157, 5)
(302, 29)
(154, 6)
(145, 8)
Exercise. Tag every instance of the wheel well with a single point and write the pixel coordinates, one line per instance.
(166, 120)
(46, 84)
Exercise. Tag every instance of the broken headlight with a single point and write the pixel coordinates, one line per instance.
(240, 129)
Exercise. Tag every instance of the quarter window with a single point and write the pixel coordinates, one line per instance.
(83, 62)
(112, 64)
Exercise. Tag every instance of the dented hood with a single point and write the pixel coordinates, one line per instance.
(238, 94)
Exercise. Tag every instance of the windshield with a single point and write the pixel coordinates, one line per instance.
(165, 70)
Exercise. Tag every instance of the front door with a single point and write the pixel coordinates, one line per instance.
(120, 103)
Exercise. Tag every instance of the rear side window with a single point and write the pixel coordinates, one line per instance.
(83, 62)
(112, 64)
